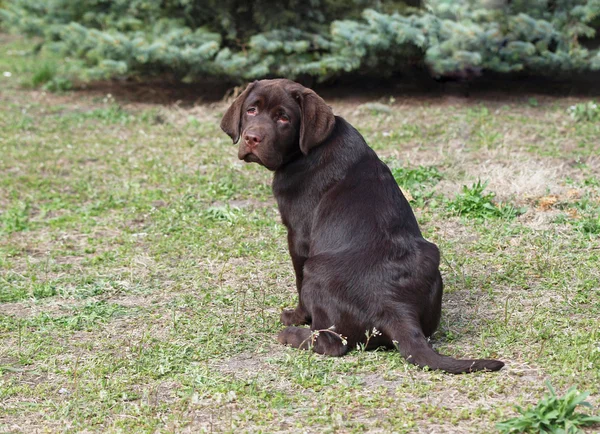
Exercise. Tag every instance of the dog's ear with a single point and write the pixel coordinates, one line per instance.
(231, 122)
(317, 121)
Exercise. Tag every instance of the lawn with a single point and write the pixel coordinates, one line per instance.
(143, 267)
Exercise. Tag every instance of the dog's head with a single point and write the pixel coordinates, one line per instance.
(277, 120)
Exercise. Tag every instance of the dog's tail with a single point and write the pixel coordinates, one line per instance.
(413, 346)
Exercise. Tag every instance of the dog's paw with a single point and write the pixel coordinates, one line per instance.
(295, 337)
(282, 337)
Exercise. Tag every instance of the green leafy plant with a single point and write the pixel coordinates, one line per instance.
(418, 181)
(43, 73)
(82, 318)
(585, 112)
(44, 290)
(590, 225)
(415, 177)
(474, 203)
(222, 214)
(15, 219)
(590, 210)
(47, 75)
(584, 215)
(111, 114)
(58, 84)
(552, 414)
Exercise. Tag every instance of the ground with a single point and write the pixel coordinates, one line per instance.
(143, 268)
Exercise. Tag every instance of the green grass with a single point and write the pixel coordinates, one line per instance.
(143, 267)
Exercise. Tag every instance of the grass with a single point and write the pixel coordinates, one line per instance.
(143, 268)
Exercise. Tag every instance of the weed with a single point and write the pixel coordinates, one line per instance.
(474, 203)
(584, 214)
(375, 108)
(418, 183)
(112, 114)
(314, 335)
(222, 214)
(44, 290)
(84, 318)
(58, 84)
(15, 219)
(591, 181)
(369, 334)
(585, 112)
(590, 225)
(412, 178)
(43, 73)
(224, 187)
(11, 292)
(552, 415)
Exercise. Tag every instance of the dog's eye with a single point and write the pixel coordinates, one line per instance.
(251, 111)
(283, 118)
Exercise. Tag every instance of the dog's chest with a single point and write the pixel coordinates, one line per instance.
(297, 211)
(299, 190)
(297, 202)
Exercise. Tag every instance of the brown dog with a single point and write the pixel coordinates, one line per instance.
(361, 262)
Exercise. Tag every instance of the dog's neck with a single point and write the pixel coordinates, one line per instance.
(299, 185)
(325, 164)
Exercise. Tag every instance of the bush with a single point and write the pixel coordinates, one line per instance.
(242, 40)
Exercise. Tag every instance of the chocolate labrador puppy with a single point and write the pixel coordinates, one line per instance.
(361, 262)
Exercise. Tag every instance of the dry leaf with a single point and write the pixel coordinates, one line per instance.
(547, 202)
(407, 194)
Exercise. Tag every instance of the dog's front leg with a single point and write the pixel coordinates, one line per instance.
(297, 316)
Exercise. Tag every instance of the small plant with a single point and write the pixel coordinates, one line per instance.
(591, 225)
(44, 290)
(414, 178)
(417, 182)
(58, 84)
(375, 108)
(227, 214)
(111, 114)
(584, 215)
(43, 73)
(552, 415)
(474, 203)
(314, 335)
(369, 334)
(15, 219)
(586, 112)
(83, 318)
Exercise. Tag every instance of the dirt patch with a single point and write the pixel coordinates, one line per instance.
(246, 363)
(161, 91)
(31, 309)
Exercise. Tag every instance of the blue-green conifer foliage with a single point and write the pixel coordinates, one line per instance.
(244, 40)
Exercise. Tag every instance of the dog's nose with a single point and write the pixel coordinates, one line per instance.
(252, 140)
